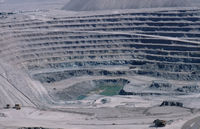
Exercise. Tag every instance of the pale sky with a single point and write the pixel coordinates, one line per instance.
(21, 5)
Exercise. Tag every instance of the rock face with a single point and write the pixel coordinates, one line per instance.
(161, 85)
(171, 103)
(159, 123)
(123, 92)
(89, 5)
(189, 89)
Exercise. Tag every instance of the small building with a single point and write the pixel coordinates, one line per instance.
(7, 106)
(17, 106)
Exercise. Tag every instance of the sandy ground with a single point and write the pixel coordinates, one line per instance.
(118, 113)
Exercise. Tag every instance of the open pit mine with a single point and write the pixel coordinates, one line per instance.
(117, 69)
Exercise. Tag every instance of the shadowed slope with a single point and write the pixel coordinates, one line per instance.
(88, 5)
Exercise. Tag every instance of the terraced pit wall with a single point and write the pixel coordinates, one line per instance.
(162, 44)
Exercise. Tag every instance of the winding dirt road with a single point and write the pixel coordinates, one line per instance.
(192, 124)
